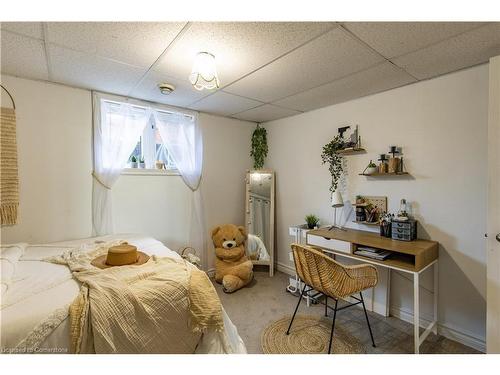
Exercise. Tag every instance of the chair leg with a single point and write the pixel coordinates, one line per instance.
(367, 320)
(326, 305)
(333, 326)
(296, 308)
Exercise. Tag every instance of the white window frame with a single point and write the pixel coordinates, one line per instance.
(153, 106)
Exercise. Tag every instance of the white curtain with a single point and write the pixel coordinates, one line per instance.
(117, 128)
(182, 137)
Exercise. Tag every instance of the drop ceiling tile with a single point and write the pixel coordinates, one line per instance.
(465, 50)
(183, 95)
(135, 43)
(91, 71)
(266, 112)
(31, 29)
(397, 38)
(329, 57)
(239, 47)
(23, 57)
(224, 104)
(380, 78)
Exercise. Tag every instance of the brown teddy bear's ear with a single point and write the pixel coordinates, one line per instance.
(215, 230)
(243, 231)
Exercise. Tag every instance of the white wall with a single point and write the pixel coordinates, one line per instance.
(442, 126)
(54, 155)
(54, 125)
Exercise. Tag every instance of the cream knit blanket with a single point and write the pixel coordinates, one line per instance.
(162, 306)
(9, 183)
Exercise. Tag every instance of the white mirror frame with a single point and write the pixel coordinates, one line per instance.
(270, 250)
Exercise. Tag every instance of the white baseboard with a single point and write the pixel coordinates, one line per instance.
(454, 334)
(285, 268)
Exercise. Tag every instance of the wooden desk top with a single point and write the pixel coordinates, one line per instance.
(371, 239)
(413, 255)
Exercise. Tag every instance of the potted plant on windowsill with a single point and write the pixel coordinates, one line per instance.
(142, 164)
(312, 221)
(133, 162)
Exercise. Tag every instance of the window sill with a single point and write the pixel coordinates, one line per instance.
(150, 172)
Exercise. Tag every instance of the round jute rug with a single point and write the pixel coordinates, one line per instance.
(309, 335)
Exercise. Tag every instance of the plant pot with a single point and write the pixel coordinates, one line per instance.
(159, 165)
(371, 170)
(311, 226)
(133, 164)
(142, 165)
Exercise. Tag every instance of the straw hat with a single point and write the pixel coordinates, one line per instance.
(121, 255)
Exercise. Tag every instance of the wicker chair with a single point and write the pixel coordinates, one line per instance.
(334, 280)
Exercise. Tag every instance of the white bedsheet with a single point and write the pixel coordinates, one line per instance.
(42, 289)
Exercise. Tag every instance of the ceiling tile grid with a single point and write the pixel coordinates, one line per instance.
(329, 57)
(266, 112)
(238, 47)
(183, 95)
(268, 70)
(382, 77)
(30, 29)
(22, 56)
(224, 104)
(134, 43)
(92, 71)
(462, 51)
(392, 39)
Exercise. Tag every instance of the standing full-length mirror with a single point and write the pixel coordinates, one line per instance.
(259, 214)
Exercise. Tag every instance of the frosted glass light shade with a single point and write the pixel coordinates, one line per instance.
(204, 72)
(337, 200)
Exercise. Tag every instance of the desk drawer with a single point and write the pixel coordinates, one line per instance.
(338, 245)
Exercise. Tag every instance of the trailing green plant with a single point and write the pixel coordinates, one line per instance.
(372, 164)
(259, 147)
(312, 221)
(133, 159)
(331, 157)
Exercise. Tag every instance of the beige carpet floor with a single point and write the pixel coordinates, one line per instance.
(265, 300)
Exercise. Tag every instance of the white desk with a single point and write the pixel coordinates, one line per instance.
(413, 257)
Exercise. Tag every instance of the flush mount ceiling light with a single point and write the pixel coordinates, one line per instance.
(166, 88)
(204, 73)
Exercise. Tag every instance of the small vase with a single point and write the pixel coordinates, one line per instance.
(133, 164)
(142, 165)
(371, 170)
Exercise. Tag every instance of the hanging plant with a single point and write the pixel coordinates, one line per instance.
(333, 159)
(259, 147)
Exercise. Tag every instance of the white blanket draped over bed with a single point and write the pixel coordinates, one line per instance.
(35, 313)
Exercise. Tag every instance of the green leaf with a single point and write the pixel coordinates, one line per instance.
(259, 147)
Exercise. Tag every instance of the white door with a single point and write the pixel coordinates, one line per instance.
(493, 243)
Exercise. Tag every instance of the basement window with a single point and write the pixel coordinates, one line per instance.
(151, 150)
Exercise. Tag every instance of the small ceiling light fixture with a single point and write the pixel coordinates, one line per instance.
(204, 73)
(166, 88)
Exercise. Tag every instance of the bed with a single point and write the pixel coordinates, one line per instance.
(34, 311)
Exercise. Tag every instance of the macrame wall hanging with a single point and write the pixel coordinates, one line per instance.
(9, 181)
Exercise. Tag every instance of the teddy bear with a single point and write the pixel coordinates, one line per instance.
(232, 268)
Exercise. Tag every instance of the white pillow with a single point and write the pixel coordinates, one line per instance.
(9, 256)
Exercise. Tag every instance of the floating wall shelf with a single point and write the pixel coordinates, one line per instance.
(351, 151)
(385, 174)
(365, 222)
